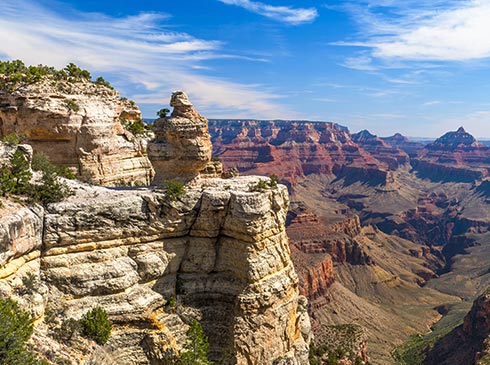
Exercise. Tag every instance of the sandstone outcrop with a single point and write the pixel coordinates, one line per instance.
(182, 146)
(78, 125)
(455, 156)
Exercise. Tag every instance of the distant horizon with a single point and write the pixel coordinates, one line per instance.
(413, 138)
(417, 67)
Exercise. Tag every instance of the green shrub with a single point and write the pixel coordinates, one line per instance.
(273, 181)
(137, 127)
(260, 186)
(196, 350)
(72, 105)
(101, 81)
(16, 328)
(15, 75)
(171, 303)
(50, 189)
(69, 327)
(15, 177)
(29, 283)
(162, 113)
(76, 72)
(174, 189)
(96, 325)
(12, 139)
(41, 162)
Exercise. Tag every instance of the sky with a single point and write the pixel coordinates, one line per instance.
(418, 67)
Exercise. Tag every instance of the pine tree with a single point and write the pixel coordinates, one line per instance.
(196, 350)
(15, 177)
(16, 328)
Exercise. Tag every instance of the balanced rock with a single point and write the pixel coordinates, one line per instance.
(182, 145)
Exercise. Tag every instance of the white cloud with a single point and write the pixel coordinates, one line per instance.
(285, 14)
(135, 52)
(431, 103)
(447, 31)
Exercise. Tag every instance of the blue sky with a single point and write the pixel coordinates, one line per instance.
(418, 67)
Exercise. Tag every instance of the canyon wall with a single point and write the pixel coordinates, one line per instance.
(292, 149)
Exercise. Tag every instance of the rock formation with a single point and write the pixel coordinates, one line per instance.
(293, 149)
(78, 125)
(182, 146)
(467, 343)
(455, 156)
(382, 151)
(217, 253)
(399, 141)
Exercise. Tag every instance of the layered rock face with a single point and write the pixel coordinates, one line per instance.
(292, 149)
(381, 150)
(217, 253)
(399, 141)
(182, 146)
(456, 156)
(78, 125)
(221, 250)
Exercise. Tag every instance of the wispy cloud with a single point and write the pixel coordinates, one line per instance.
(435, 31)
(432, 103)
(285, 14)
(137, 52)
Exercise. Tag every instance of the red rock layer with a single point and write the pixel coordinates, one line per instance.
(291, 149)
(399, 141)
(382, 151)
(456, 156)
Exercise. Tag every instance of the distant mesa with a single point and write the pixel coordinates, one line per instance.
(392, 156)
(404, 143)
(366, 137)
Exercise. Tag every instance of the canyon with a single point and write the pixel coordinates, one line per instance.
(376, 229)
(364, 241)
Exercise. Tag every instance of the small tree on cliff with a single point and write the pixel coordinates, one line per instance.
(162, 113)
(196, 350)
(15, 177)
(16, 328)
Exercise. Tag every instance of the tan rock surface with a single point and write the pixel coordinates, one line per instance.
(182, 145)
(77, 124)
(220, 250)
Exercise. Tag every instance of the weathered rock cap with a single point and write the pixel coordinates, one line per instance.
(182, 145)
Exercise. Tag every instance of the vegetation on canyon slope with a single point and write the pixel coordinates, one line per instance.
(16, 75)
(15, 179)
(16, 327)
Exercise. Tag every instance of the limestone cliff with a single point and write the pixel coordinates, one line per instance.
(77, 124)
(221, 250)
